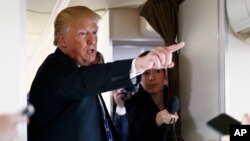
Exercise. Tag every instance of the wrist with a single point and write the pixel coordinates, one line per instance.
(158, 119)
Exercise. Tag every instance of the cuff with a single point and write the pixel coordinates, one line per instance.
(120, 110)
(133, 72)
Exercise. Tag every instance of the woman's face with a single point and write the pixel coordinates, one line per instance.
(80, 41)
(153, 80)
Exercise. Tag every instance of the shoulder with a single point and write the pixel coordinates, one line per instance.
(57, 58)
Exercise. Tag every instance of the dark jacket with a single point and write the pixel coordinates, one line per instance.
(142, 111)
(121, 125)
(65, 99)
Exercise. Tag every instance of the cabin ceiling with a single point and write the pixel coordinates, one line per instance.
(46, 6)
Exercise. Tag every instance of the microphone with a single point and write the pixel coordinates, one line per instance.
(173, 105)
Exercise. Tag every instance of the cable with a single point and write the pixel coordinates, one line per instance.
(174, 133)
(167, 130)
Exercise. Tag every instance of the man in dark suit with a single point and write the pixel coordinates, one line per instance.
(65, 89)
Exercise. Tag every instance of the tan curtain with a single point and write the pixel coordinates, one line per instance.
(162, 16)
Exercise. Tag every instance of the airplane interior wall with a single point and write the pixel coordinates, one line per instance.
(199, 68)
(213, 68)
(12, 95)
(13, 63)
(237, 74)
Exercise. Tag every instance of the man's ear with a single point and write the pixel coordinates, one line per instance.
(61, 40)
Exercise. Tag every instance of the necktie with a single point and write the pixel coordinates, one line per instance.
(106, 124)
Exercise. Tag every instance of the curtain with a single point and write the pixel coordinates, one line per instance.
(162, 16)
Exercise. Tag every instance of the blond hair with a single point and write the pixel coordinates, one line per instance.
(72, 14)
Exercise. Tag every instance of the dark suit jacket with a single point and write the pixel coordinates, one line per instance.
(121, 124)
(65, 98)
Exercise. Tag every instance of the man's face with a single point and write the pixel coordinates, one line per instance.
(80, 41)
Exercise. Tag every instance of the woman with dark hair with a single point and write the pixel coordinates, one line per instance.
(146, 110)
